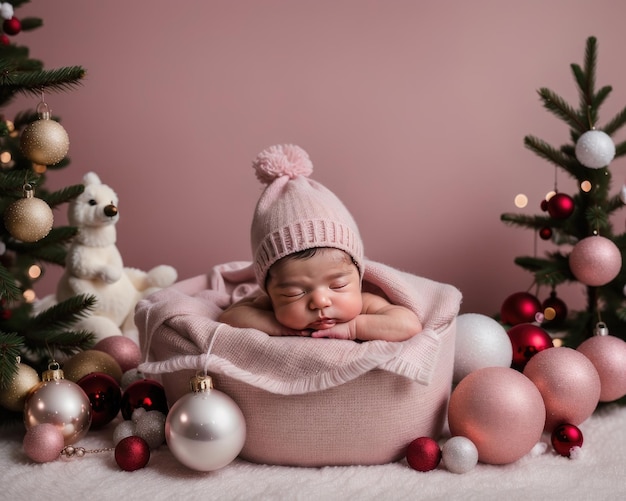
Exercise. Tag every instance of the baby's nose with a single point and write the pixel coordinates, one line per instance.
(110, 210)
(319, 300)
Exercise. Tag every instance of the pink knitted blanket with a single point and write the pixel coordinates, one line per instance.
(178, 331)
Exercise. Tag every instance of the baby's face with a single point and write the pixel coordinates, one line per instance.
(317, 292)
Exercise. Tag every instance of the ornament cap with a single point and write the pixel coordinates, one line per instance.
(601, 329)
(54, 373)
(200, 383)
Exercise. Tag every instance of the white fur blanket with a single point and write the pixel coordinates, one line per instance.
(598, 474)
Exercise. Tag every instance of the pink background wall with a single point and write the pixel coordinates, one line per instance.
(413, 112)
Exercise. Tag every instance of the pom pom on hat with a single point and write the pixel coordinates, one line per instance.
(282, 160)
(295, 213)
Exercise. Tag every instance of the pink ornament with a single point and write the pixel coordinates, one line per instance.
(568, 383)
(43, 443)
(565, 437)
(123, 350)
(500, 411)
(519, 308)
(423, 454)
(132, 453)
(527, 340)
(595, 261)
(608, 355)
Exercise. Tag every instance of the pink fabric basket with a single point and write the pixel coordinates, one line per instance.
(308, 402)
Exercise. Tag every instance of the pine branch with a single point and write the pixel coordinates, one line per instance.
(526, 221)
(550, 271)
(64, 195)
(9, 289)
(33, 82)
(615, 123)
(11, 346)
(552, 155)
(64, 314)
(561, 109)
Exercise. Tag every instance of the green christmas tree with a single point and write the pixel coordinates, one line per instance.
(587, 249)
(31, 335)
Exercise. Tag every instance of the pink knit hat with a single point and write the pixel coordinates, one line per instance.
(296, 213)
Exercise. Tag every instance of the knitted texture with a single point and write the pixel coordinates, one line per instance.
(296, 213)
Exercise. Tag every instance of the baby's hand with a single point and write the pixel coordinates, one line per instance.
(338, 331)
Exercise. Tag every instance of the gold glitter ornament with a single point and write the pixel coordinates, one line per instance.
(28, 219)
(14, 395)
(89, 361)
(44, 141)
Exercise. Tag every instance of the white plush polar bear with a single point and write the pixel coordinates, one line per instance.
(94, 265)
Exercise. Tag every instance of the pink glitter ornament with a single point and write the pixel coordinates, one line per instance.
(43, 443)
(608, 355)
(595, 261)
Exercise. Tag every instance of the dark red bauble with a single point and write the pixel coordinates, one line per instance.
(4, 40)
(423, 454)
(105, 396)
(560, 311)
(545, 233)
(132, 453)
(527, 340)
(564, 437)
(12, 26)
(560, 206)
(146, 393)
(519, 308)
(544, 205)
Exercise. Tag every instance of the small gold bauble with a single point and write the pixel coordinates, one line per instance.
(45, 141)
(14, 395)
(28, 219)
(89, 361)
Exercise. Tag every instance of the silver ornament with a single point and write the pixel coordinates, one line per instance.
(459, 454)
(205, 429)
(60, 402)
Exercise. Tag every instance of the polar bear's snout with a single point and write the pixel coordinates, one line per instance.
(110, 210)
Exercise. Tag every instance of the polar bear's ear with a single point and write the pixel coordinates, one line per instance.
(91, 178)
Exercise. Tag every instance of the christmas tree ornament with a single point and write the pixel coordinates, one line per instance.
(622, 194)
(129, 377)
(480, 342)
(124, 429)
(519, 308)
(43, 443)
(527, 340)
(123, 350)
(554, 311)
(608, 355)
(560, 206)
(149, 425)
(29, 218)
(132, 453)
(595, 149)
(105, 396)
(565, 437)
(568, 382)
(13, 396)
(58, 401)
(12, 26)
(44, 141)
(545, 233)
(500, 410)
(90, 361)
(423, 454)
(145, 393)
(459, 455)
(205, 429)
(595, 261)
(544, 205)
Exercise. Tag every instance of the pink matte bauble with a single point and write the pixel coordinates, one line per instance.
(519, 308)
(527, 340)
(423, 454)
(595, 261)
(608, 355)
(500, 410)
(43, 443)
(568, 383)
(123, 350)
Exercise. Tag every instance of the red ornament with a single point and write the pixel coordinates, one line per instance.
(146, 393)
(560, 206)
(132, 453)
(423, 454)
(105, 396)
(558, 312)
(545, 233)
(544, 205)
(519, 308)
(4, 40)
(527, 340)
(12, 26)
(564, 437)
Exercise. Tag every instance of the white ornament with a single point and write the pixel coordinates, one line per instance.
(480, 342)
(459, 454)
(6, 10)
(205, 430)
(595, 149)
(622, 194)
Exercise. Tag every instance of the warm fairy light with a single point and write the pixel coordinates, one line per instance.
(29, 295)
(521, 201)
(585, 186)
(34, 271)
(550, 194)
(39, 169)
(549, 313)
(557, 342)
(10, 125)
(5, 157)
